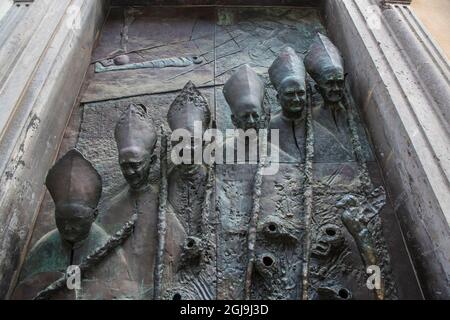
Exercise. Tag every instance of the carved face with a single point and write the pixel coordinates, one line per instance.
(248, 116)
(74, 221)
(291, 96)
(329, 238)
(135, 163)
(331, 86)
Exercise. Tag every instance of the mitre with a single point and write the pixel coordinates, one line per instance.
(287, 65)
(244, 88)
(73, 179)
(323, 59)
(135, 129)
(189, 106)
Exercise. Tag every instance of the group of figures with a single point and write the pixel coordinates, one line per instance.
(304, 237)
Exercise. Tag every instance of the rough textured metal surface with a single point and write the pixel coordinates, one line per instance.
(158, 63)
(92, 259)
(336, 269)
(96, 140)
(400, 91)
(148, 34)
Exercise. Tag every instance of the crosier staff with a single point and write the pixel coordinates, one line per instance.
(352, 218)
(162, 223)
(93, 259)
(251, 240)
(308, 191)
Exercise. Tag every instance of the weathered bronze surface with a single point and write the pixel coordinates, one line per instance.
(287, 74)
(136, 138)
(158, 63)
(76, 188)
(226, 231)
(189, 199)
(244, 93)
(325, 65)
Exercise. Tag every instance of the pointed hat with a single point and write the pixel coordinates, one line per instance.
(323, 58)
(135, 128)
(287, 65)
(243, 88)
(73, 179)
(189, 107)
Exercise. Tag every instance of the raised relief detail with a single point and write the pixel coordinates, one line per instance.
(136, 139)
(357, 216)
(287, 74)
(76, 188)
(189, 199)
(220, 230)
(121, 63)
(244, 93)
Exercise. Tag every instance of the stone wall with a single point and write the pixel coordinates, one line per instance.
(44, 53)
(400, 80)
(4, 7)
